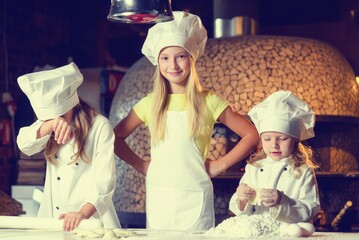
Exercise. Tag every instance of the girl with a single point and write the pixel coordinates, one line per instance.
(78, 146)
(279, 180)
(180, 117)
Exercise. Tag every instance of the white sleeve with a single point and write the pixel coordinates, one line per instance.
(305, 207)
(234, 206)
(27, 142)
(234, 202)
(103, 165)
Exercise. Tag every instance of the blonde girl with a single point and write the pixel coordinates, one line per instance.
(180, 116)
(279, 180)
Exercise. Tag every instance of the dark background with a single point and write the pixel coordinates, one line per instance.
(48, 32)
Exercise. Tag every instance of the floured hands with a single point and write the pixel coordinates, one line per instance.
(270, 197)
(260, 196)
(245, 193)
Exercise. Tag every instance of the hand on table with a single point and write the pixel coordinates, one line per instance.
(72, 220)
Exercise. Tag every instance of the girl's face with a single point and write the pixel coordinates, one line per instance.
(277, 145)
(174, 65)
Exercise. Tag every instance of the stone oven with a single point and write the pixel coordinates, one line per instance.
(245, 70)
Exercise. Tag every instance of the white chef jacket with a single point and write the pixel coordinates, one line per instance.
(300, 198)
(68, 187)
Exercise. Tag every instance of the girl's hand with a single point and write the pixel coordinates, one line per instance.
(62, 130)
(213, 167)
(72, 220)
(245, 193)
(270, 197)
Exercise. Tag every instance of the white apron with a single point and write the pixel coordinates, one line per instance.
(179, 192)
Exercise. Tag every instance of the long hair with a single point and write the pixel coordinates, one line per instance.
(195, 104)
(82, 119)
(301, 155)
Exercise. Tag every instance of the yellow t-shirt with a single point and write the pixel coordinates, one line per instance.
(177, 102)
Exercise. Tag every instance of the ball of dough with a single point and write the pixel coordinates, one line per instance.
(283, 229)
(109, 234)
(307, 229)
(255, 200)
(100, 231)
(294, 230)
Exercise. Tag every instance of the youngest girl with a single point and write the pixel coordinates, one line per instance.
(279, 180)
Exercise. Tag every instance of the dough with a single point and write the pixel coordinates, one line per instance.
(307, 229)
(109, 234)
(104, 233)
(255, 200)
(100, 231)
(301, 229)
(293, 230)
(124, 233)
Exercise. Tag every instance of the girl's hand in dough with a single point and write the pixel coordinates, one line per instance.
(245, 193)
(270, 197)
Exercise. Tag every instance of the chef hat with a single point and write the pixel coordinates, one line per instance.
(285, 113)
(52, 93)
(186, 30)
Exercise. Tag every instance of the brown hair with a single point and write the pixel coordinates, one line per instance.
(82, 119)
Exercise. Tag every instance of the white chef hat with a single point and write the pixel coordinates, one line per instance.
(285, 113)
(52, 93)
(186, 30)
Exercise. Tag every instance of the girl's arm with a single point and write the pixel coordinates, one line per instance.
(29, 141)
(123, 129)
(249, 139)
(243, 199)
(60, 126)
(302, 208)
(73, 219)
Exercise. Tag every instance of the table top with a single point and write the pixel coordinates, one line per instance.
(142, 234)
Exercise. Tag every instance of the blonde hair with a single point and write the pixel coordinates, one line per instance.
(301, 155)
(195, 104)
(82, 118)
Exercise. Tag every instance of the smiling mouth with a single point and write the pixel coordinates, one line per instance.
(177, 74)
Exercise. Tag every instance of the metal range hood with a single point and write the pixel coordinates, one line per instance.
(235, 17)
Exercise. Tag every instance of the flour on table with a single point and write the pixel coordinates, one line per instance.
(115, 233)
(247, 226)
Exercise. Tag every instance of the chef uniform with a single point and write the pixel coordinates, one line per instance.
(68, 187)
(179, 192)
(284, 113)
